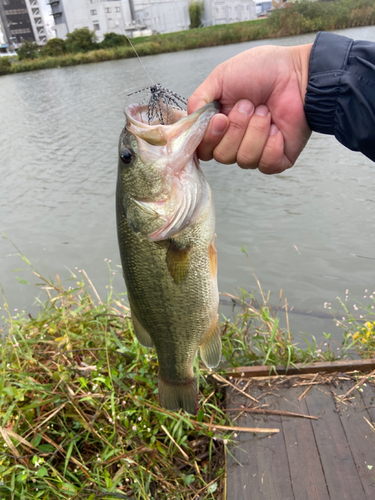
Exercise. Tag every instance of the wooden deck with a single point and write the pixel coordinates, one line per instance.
(328, 458)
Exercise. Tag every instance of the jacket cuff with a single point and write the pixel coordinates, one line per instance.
(328, 62)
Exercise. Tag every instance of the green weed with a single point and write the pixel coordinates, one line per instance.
(358, 323)
(254, 337)
(79, 414)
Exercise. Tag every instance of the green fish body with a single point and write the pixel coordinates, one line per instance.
(166, 234)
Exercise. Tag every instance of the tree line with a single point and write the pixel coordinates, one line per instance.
(79, 40)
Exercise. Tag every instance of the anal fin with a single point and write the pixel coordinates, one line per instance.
(210, 348)
(141, 333)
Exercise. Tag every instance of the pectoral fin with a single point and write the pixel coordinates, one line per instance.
(210, 348)
(142, 335)
(178, 261)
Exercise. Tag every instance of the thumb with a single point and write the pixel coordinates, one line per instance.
(197, 101)
(210, 90)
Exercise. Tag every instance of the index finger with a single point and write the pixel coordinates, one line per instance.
(214, 133)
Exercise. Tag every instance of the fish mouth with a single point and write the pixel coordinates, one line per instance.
(173, 148)
(179, 123)
(139, 114)
(167, 114)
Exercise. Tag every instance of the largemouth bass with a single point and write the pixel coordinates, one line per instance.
(166, 234)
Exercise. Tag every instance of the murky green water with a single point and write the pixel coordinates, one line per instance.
(309, 232)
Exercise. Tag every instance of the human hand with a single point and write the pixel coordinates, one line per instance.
(262, 123)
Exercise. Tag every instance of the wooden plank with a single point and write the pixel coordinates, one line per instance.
(305, 467)
(257, 467)
(362, 365)
(326, 459)
(368, 397)
(360, 436)
(340, 471)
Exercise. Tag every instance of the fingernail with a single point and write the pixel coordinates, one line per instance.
(219, 124)
(245, 106)
(273, 129)
(261, 110)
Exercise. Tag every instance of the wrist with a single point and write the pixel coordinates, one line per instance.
(302, 60)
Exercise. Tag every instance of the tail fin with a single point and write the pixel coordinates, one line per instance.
(176, 396)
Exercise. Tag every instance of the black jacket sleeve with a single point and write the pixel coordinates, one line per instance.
(340, 96)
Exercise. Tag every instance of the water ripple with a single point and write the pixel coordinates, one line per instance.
(58, 150)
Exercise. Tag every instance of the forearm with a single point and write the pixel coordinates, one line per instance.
(340, 92)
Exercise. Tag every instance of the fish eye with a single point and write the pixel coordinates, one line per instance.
(126, 156)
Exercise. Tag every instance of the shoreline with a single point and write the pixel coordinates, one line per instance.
(299, 18)
(79, 400)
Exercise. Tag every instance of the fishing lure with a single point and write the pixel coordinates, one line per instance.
(160, 96)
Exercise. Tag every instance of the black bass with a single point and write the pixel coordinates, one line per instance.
(166, 234)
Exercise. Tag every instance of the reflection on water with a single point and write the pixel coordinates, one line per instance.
(309, 231)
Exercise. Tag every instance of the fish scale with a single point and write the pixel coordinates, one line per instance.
(171, 282)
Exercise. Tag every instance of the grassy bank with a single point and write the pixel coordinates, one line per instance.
(79, 413)
(299, 17)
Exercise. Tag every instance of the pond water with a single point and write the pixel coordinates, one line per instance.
(308, 232)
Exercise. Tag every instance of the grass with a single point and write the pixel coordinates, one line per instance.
(358, 324)
(254, 337)
(79, 413)
(296, 18)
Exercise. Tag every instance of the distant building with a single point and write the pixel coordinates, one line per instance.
(228, 11)
(96, 15)
(142, 17)
(165, 16)
(263, 7)
(3, 42)
(162, 16)
(22, 20)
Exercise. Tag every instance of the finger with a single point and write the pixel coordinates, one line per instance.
(273, 159)
(239, 117)
(214, 133)
(197, 101)
(210, 90)
(251, 149)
